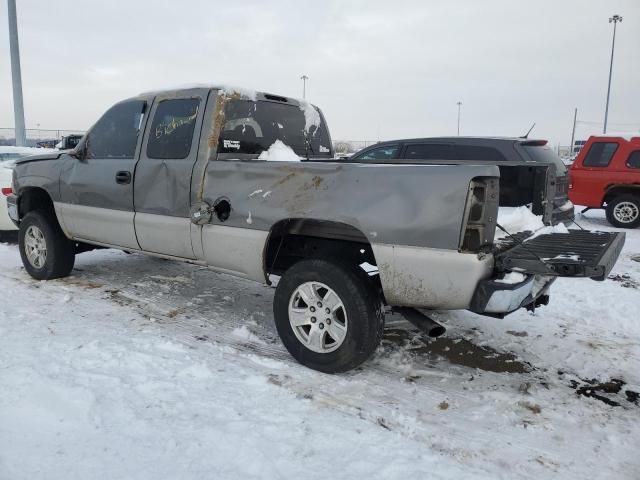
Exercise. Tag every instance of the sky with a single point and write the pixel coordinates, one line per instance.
(378, 69)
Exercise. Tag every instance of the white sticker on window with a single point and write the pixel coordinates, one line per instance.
(232, 144)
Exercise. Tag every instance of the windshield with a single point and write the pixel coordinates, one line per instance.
(544, 154)
(252, 127)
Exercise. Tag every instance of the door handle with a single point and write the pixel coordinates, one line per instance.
(123, 177)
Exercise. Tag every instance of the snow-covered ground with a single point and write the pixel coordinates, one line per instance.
(141, 368)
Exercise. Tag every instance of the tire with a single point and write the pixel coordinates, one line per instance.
(356, 319)
(40, 231)
(624, 211)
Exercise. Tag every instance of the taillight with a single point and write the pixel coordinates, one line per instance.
(479, 216)
(6, 191)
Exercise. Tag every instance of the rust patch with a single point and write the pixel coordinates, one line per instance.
(316, 181)
(284, 179)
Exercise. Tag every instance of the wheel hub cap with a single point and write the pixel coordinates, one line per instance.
(35, 246)
(626, 212)
(318, 317)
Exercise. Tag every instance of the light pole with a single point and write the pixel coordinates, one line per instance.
(304, 79)
(615, 19)
(459, 105)
(16, 76)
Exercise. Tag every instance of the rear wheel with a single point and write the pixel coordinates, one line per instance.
(624, 211)
(328, 316)
(46, 252)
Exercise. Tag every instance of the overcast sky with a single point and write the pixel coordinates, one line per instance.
(378, 69)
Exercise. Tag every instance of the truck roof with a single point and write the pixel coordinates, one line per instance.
(244, 93)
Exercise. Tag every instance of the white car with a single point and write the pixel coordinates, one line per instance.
(8, 156)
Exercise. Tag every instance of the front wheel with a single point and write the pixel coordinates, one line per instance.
(46, 252)
(624, 211)
(328, 316)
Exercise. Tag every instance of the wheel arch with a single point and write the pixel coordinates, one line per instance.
(34, 198)
(293, 239)
(613, 191)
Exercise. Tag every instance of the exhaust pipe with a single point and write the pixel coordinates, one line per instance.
(424, 323)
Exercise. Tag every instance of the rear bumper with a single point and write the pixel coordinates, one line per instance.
(495, 298)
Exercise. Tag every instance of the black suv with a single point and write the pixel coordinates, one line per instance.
(510, 154)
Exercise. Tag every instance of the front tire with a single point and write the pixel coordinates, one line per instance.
(624, 211)
(328, 316)
(46, 252)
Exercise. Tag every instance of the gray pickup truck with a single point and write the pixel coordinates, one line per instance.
(245, 183)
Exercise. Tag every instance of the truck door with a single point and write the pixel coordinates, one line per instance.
(96, 189)
(162, 185)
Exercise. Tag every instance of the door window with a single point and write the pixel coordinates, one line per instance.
(634, 159)
(600, 154)
(171, 132)
(429, 151)
(116, 133)
(386, 152)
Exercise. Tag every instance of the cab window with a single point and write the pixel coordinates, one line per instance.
(634, 159)
(116, 133)
(600, 154)
(171, 132)
(386, 152)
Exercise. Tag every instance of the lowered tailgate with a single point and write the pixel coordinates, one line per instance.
(579, 253)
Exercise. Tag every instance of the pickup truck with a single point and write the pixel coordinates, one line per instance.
(606, 174)
(245, 183)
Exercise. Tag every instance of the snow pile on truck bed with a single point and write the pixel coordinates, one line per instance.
(279, 152)
(517, 219)
(521, 219)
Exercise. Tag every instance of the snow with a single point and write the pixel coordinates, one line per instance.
(512, 278)
(559, 228)
(112, 373)
(311, 115)
(245, 93)
(517, 219)
(279, 152)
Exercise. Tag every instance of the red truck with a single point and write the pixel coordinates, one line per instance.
(606, 174)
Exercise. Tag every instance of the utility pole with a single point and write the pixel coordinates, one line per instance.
(573, 132)
(16, 75)
(615, 19)
(459, 105)
(304, 79)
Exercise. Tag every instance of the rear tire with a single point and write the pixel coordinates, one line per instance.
(624, 211)
(352, 313)
(45, 250)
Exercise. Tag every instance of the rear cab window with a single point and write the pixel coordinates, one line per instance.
(600, 154)
(252, 127)
(634, 159)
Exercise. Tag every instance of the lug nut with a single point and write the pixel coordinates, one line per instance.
(320, 304)
(321, 326)
(327, 310)
(313, 309)
(313, 319)
(328, 321)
